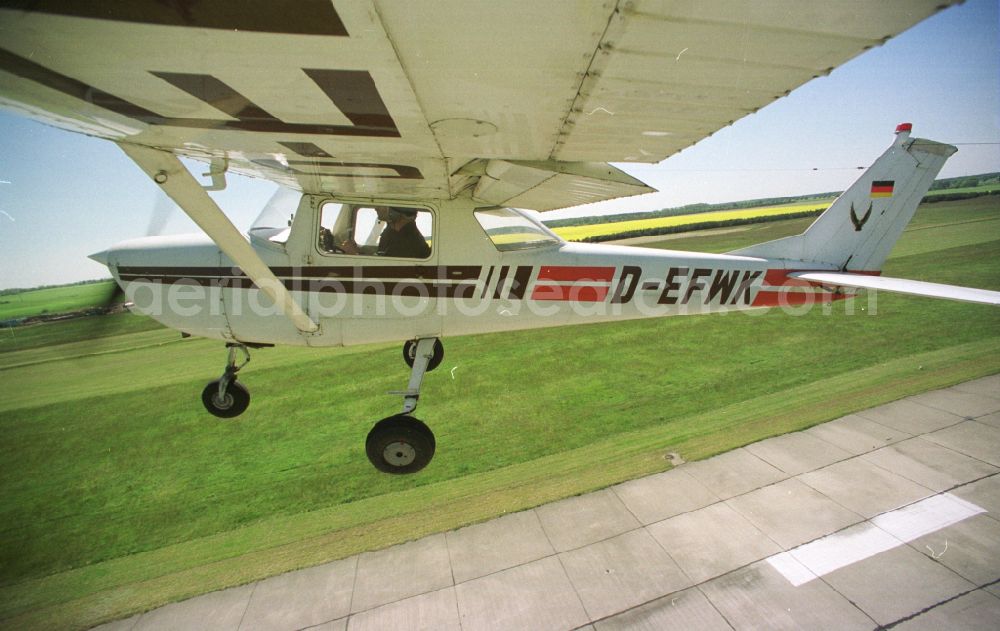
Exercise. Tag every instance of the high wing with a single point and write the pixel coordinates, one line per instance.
(901, 285)
(519, 102)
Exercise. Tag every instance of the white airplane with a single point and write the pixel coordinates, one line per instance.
(407, 131)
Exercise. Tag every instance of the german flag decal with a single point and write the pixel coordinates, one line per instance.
(882, 188)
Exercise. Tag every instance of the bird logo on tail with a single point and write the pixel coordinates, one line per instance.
(859, 223)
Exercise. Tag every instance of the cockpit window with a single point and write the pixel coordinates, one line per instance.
(275, 220)
(510, 229)
(369, 230)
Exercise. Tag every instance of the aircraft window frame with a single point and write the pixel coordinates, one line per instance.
(551, 239)
(426, 221)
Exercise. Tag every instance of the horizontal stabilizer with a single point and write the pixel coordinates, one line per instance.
(900, 285)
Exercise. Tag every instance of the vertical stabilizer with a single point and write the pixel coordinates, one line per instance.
(859, 229)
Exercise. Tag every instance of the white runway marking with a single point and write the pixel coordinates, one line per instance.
(884, 532)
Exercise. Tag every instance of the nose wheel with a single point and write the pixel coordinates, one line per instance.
(410, 353)
(225, 397)
(225, 402)
(402, 444)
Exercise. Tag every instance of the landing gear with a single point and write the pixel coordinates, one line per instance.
(410, 353)
(402, 444)
(227, 403)
(225, 397)
(399, 444)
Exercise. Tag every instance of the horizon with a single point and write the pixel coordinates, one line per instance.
(610, 217)
(64, 196)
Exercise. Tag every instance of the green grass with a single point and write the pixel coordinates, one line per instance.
(54, 299)
(982, 188)
(726, 239)
(981, 212)
(55, 334)
(121, 493)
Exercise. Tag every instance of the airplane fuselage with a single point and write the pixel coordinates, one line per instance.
(466, 285)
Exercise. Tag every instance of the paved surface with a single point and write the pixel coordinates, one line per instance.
(887, 517)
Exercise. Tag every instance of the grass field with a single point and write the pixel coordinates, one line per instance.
(53, 300)
(576, 233)
(121, 493)
(983, 188)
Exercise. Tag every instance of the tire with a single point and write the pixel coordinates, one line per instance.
(400, 445)
(410, 352)
(234, 403)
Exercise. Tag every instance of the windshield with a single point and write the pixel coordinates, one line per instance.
(511, 229)
(275, 220)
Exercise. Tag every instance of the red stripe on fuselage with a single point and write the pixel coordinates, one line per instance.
(780, 277)
(576, 274)
(795, 298)
(792, 294)
(574, 293)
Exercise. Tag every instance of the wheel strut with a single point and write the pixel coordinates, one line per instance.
(402, 444)
(229, 375)
(427, 349)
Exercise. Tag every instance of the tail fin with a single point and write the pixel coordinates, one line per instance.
(859, 229)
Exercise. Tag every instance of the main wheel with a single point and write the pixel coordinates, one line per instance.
(410, 353)
(233, 403)
(400, 444)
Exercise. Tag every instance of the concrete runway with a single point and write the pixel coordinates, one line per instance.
(885, 518)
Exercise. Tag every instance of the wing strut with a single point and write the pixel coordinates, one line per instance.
(175, 180)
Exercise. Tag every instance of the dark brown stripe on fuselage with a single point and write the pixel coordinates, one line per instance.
(393, 272)
(178, 272)
(520, 284)
(504, 270)
(486, 285)
(411, 288)
(439, 281)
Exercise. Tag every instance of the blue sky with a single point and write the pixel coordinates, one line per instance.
(63, 195)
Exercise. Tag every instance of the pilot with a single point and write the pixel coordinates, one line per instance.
(401, 237)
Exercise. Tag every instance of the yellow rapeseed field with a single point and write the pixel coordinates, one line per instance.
(575, 233)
